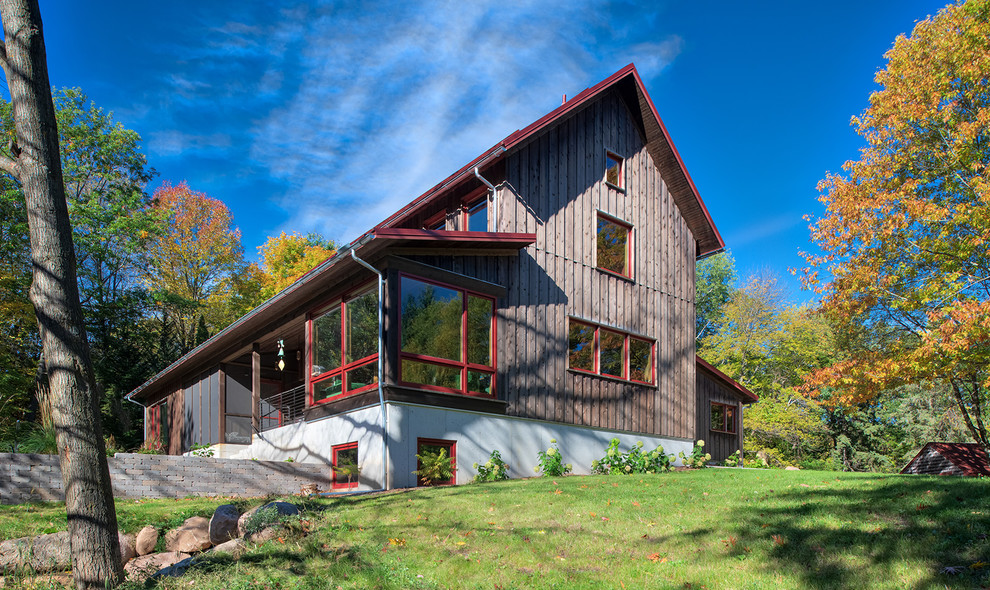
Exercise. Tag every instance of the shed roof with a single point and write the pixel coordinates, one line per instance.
(747, 395)
(969, 458)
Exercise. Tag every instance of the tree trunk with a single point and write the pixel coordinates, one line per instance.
(55, 295)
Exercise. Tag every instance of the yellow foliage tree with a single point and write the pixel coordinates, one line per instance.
(287, 257)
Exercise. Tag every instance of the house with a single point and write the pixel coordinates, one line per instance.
(543, 291)
(941, 458)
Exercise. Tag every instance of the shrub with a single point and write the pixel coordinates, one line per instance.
(551, 462)
(495, 469)
(732, 460)
(267, 516)
(155, 446)
(435, 466)
(201, 450)
(635, 461)
(698, 458)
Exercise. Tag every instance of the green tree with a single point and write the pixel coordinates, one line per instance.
(905, 262)
(714, 284)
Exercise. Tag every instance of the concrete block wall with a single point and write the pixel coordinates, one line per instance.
(26, 477)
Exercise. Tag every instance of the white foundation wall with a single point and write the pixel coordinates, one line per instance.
(313, 442)
(518, 440)
(475, 434)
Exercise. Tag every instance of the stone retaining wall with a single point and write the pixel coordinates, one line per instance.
(25, 477)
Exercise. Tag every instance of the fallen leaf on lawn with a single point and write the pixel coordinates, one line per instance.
(635, 503)
(396, 541)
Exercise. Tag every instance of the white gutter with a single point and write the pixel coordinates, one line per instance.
(494, 216)
(381, 365)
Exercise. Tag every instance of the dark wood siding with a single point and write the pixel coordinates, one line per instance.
(554, 188)
(719, 444)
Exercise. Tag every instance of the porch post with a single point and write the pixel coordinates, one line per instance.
(739, 426)
(256, 387)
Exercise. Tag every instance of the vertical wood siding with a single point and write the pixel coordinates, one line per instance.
(554, 187)
(719, 444)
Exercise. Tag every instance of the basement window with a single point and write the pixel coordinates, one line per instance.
(345, 466)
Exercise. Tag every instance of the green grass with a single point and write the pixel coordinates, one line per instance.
(713, 528)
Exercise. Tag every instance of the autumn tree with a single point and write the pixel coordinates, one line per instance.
(768, 345)
(193, 264)
(92, 520)
(287, 257)
(905, 268)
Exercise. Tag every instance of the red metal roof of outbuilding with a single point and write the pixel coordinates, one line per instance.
(970, 458)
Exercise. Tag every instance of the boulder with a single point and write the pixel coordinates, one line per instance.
(139, 568)
(223, 524)
(234, 547)
(242, 521)
(265, 534)
(192, 536)
(792, 468)
(147, 539)
(283, 509)
(127, 551)
(44, 553)
(175, 570)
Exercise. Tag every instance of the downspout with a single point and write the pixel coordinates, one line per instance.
(144, 419)
(381, 364)
(494, 202)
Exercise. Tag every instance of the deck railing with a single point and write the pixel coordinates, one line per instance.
(283, 408)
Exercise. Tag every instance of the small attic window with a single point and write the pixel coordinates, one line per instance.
(613, 170)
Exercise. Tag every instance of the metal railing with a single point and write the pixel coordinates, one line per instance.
(283, 408)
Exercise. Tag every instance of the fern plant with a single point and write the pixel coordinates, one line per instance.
(435, 466)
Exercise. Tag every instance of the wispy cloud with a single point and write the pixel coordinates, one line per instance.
(767, 228)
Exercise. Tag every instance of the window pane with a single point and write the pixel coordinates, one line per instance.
(431, 320)
(326, 342)
(237, 430)
(430, 374)
(327, 388)
(581, 346)
(613, 170)
(718, 417)
(479, 330)
(478, 216)
(362, 326)
(613, 243)
(479, 382)
(730, 419)
(612, 347)
(345, 465)
(361, 376)
(640, 360)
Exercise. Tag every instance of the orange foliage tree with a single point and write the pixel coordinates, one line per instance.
(286, 257)
(194, 263)
(904, 268)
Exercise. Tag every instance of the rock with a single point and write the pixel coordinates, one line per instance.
(139, 568)
(265, 534)
(147, 539)
(192, 536)
(223, 524)
(792, 468)
(235, 547)
(173, 571)
(127, 551)
(44, 553)
(283, 508)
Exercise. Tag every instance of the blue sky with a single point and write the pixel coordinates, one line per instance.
(327, 117)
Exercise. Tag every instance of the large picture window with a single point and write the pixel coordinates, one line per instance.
(446, 338)
(609, 352)
(344, 347)
(612, 245)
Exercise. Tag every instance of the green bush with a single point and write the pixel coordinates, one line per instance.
(551, 462)
(435, 466)
(732, 460)
(698, 458)
(634, 461)
(495, 469)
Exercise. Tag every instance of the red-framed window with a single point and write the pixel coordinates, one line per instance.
(476, 214)
(343, 352)
(601, 350)
(612, 245)
(345, 465)
(447, 337)
(158, 430)
(723, 418)
(614, 170)
(435, 446)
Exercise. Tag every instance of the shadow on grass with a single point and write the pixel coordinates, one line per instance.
(829, 536)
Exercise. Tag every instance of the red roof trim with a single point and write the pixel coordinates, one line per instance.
(454, 236)
(729, 381)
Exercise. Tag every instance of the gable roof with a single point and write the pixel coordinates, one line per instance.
(943, 458)
(746, 395)
(658, 143)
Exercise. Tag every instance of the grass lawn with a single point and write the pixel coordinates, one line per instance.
(712, 528)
